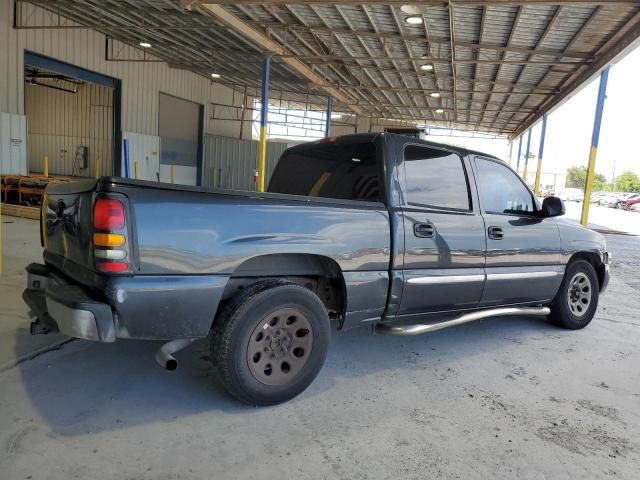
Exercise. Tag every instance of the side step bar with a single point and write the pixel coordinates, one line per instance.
(419, 329)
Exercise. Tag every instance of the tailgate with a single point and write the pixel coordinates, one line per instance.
(67, 221)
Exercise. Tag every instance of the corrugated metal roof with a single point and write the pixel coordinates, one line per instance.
(510, 61)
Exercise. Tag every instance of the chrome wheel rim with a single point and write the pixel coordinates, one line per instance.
(280, 346)
(579, 294)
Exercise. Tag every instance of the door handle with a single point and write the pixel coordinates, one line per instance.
(495, 233)
(423, 230)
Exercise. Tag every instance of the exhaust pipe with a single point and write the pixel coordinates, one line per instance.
(165, 357)
(405, 330)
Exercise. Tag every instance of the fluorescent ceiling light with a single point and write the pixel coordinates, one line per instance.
(215, 75)
(427, 67)
(413, 20)
(145, 44)
(439, 110)
(435, 94)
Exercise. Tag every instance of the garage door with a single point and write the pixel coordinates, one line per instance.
(180, 131)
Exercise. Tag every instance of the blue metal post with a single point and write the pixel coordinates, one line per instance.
(519, 152)
(327, 130)
(526, 155)
(540, 153)
(262, 146)
(595, 137)
(125, 148)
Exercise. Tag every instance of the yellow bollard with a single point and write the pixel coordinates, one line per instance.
(97, 169)
(173, 175)
(46, 166)
(262, 159)
(135, 169)
(0, 236)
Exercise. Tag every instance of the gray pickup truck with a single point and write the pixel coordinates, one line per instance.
(399, 234)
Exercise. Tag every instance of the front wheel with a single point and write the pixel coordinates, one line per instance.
(577, 301)
(270, 341)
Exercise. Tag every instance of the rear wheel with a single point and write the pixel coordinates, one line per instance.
(270, 341)
(577, 301)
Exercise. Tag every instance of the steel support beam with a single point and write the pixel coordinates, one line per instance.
(273, 48)
(595, 137)
(436, 3)
(510, 151)
(419, 38)
(540, 153)
(264, 112)
(624, 39)
(327, 131)
(526, 156)
(519, 153)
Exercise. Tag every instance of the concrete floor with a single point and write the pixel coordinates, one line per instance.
(21, 240)
(503, 398)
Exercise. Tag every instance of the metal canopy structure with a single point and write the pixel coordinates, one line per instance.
(494, 66)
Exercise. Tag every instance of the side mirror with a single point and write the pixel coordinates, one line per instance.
(552, 207)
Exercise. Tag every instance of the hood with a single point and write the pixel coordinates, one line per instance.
(575, 237)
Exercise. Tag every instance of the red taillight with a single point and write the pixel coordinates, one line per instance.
(108, 222)
(112, 267)
(108, 214)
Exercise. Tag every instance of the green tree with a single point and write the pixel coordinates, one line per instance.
(599, 182)
(627, 181)
(577, 176)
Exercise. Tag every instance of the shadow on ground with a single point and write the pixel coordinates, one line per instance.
(88, 387)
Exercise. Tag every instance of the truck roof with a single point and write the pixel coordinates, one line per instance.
(371, 136)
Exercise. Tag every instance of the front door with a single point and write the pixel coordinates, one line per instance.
(523, 250)
(444, 242)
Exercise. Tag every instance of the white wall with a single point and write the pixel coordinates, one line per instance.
(13, 144)
(141, 82)
(145, 151)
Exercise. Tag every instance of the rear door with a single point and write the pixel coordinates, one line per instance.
(523, 250)
(444, 241)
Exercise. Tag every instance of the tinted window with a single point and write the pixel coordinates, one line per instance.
(345, 171)
(501, 191)
(435, 178)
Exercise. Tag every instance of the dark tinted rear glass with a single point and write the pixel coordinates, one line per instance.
(435, 178)
(347, 171)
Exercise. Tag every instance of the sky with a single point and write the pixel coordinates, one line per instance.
(570, 126)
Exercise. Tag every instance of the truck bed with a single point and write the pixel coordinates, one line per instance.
(189, 241)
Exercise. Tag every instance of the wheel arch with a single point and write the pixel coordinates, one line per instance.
(318, 273)
(595, 260)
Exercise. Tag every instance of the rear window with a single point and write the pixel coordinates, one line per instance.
(346, 171)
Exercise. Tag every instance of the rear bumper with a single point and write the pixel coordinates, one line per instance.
(144, 307)
(56, 305)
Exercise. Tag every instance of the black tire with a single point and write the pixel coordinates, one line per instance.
(234, 333)
(565, 309)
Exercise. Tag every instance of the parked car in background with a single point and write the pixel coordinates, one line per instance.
(571, 195)
(595, 197)
(616, 198)
(606, 198)
(630, 201)
(634, 208)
